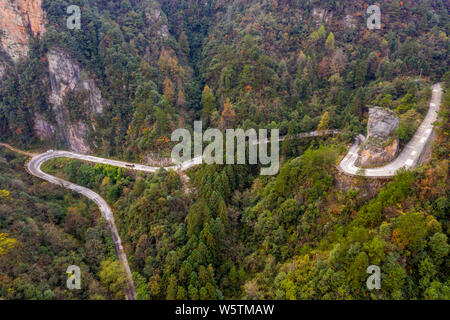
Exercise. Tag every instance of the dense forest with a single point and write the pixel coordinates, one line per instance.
(161, 65)
(294, 236)
(48, 230)
(227, 232)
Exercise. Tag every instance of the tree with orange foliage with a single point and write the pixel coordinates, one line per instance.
(411, 231)
(181, 100)
(324, 68)
(168, 90)
(228, 114)
(168, 65)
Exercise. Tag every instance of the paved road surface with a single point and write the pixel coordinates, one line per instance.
(318, 133)
(408, 158)
(34, 167)
(410, 155)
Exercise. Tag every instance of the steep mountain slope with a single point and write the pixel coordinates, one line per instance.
(125, 64)
(20, 19)
(138, 69)
(53, 229)
(282, 63)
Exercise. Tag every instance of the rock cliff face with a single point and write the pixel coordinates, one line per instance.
(66, 76)
(157, 20)
(382, 123)
(18, 19)
(367, 188)
(321, 16)
(380, 146)
(349, 22)
(2, 68)
(43, 128)
(22, 19)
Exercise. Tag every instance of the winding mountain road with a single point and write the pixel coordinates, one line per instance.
(34, 168)
(408, 158)
(318, 133)
(411, 153)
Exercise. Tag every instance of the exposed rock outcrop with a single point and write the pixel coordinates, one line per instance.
(349, 22)
(376, 154)
(2, 68)
(43, 128)
(367, 188)
(77, 138)
(66, 76)
(382, 123)
(321, 16)
(157, 20)
(380, 146)
(18, 18)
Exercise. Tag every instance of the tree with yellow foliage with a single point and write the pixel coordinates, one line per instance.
(6, 243)
(168, 90)
(4, 194)
(330, 42)
(113, 277)
(168, 65)
(209, 103)
(324, 121)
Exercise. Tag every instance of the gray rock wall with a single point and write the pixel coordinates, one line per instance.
(380, 146)
(66, 76)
